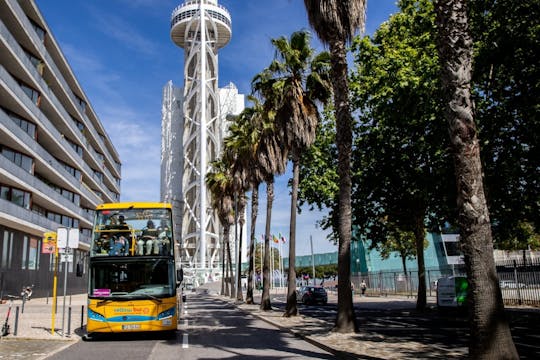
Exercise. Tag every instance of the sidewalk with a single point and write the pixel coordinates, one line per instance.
(36, 322)
(361, 345)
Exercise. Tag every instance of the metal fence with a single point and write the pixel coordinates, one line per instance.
(519, 281)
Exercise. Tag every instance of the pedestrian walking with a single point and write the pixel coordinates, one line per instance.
(363, 287)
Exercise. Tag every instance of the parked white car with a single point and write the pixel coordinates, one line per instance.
(511, 284)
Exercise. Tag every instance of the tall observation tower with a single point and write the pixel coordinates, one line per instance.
(201, 28)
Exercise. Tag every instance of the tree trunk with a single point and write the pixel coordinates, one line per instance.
(290, 308)
(346, 318)
(265, 299)
(420, 236)
(254, 211)
(490, 333)
(223, 265)
(226, 274)
(239, 295)
(404, 261)
(231, 274)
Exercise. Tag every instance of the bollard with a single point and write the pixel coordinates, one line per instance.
(47, 299)
(69, 322)
(16, 325)
(82, 316)
(22, 308)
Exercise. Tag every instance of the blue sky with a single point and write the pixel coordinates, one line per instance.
(121, 52)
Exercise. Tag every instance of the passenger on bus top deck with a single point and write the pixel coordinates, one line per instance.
(150, 229)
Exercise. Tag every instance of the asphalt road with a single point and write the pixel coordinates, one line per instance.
(210, 329)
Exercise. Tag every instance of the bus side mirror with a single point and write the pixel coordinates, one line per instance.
(179, 277)
(79, 271)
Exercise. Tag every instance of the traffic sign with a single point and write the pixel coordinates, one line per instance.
(49, 243)
(66, 258)
(68, 234)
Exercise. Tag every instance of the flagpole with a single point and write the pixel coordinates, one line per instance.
(280, 263)
(271, 267)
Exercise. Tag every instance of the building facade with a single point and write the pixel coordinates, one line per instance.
(57, 162)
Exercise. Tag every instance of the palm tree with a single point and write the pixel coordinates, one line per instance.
(243, 139)
(219, 182)
(336, 22)
(292, 85)
(490, 332)
(271, 154)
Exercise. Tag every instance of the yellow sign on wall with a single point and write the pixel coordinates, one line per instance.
(49, 243)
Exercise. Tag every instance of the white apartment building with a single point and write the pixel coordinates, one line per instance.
(57, 162)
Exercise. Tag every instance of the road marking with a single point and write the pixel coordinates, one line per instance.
(185, 344)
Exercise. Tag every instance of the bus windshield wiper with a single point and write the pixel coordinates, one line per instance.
(152, 297)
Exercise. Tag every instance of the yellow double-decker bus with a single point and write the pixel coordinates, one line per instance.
(133, 278)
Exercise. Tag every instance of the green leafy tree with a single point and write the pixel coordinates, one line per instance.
(489, 330)
(506, 80)
(401, 179)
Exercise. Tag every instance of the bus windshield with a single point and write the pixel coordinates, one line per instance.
(132, 278)
(132, 232)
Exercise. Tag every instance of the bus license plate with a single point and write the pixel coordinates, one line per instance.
(131, 327)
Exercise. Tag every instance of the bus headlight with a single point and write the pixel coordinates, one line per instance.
(92, 315)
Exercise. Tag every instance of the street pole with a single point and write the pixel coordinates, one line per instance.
(312, 259)
(237, 260)
(66, 256)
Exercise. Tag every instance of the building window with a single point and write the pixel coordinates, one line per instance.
(33, 254)
(26, 162)
(98, 176)
(78, 149)
(32, 93)
(64, 220)
(7, 250)
(76, 173)
(51, 262)
(39, 30)
(79, 124)
(81, 103)
(16, 196)
(39, 210)
(35, 61)
(27, 126)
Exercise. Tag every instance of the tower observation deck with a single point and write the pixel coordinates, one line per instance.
(201, 28)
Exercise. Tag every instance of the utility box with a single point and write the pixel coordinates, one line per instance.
(452, 292)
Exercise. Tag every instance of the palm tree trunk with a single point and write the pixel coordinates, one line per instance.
(346, 318)
(291, 309)
(223, 264)
(254, 211)
(265, 300)
(230, 267)
(490, 336)
(239, 295)
(226, 274)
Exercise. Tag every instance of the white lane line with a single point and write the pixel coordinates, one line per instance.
(185, 343)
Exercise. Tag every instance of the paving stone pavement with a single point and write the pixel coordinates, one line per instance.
(32, 335)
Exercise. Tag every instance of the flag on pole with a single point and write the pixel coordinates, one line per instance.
(276, 240)
(282, 238)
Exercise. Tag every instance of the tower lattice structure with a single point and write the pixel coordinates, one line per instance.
(201, 28)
